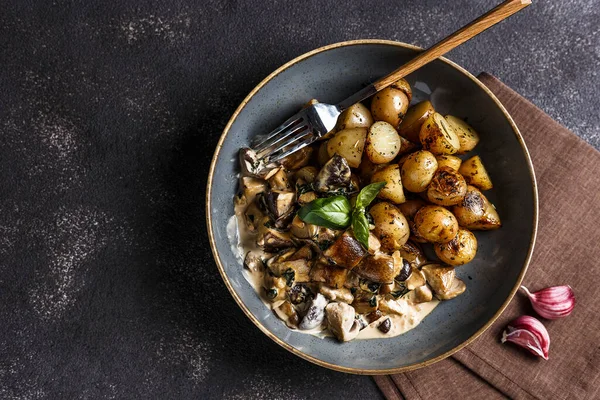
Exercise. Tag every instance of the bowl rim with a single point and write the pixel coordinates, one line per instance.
(238, 300)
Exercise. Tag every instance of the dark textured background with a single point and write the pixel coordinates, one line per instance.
(109, 114)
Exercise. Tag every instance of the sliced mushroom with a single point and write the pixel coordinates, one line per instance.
(373, 316)
(416, 279)
(439, 277)
(405, 271)
(303, 230)
(334, 175)
(315, 314)
(279, 203)
(252, 216)
(422, 294)
(342, 294)
(352, 280)
(250, 164)
(413, 253)
(380, 268)
(385, 325)
(330, 275)
(365, 302)
(293, 271)
(253, 262)
(389, 306)
(305, 253)
(274, 287)
(252, 186)
(299, 293)
(297, 159)
(279, 180)
(346, 251)
(306, 198)
(288, 314)
(271, 239)
(374, 244)
(341, 321)
(457, 288)
(307, 174)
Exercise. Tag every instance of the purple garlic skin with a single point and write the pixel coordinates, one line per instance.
(529, 333)
(553, 302)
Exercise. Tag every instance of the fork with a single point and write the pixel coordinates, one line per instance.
(315, 121)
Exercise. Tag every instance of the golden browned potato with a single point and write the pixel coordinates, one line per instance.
(475, 173)
(406, 146)
(436, 224)
(447, 187)
(383, 143)
(367, 168)
(349, 144)
(323, 154)
(418, 170)
(380, 268)
(476, 212)
(458, 251)
(390, 105)
(410, 207)
(446, 160)
(438, 136)
(357, 116)
(391, 227)
(467, 136)
(392, 190)
(413, 120)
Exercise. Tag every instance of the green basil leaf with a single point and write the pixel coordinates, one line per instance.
(330, 212)
(368, 194)
(360, 226)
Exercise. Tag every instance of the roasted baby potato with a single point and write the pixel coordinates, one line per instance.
(391, 227)
(418, 170)
(357, 116)
(458, 251)
(475, 212)
(393, 189)
(348, 143)
(446, 160)
(436, 224)
(323, 154)
(438, 136)
(410, 207)
(447, 187)
(390, 104)
(413, 120)
(467, 136)
(475, 173)
(383, 143)
(379, 268)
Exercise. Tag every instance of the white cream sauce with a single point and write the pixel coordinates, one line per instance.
(242, 241)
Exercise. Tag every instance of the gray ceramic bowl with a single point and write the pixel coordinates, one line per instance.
(330, 74)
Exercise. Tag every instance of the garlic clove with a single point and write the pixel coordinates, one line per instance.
(530, 334)
(553, 302)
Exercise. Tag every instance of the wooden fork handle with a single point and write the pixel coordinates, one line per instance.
(474, 28)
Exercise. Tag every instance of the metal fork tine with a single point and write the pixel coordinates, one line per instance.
(309, 137)
(275, 132)
(297, 132)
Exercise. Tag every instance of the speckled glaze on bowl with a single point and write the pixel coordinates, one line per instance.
(330, 74)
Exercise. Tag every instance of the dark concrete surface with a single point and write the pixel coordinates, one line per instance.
(109, 114)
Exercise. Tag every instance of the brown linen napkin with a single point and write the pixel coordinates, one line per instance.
(566, 252)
